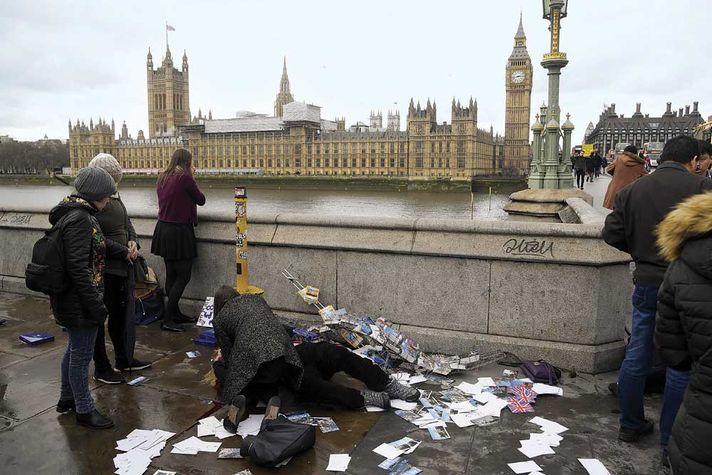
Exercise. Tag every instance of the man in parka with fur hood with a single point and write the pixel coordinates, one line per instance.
(683, 331)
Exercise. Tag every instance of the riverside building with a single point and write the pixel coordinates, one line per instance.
(296, 140)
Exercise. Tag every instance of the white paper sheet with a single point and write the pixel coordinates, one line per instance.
(524, 467)
(401, 404)
(594, 467)
(468, 388)
(484, 398)
(374, 409)
(338, 462)
(463, 406)
(532, 448)
(250, 426)
(552, 440)
(418, 378)
(487, 381)
(387, 451)
(541, 388)
(548, 426)
(462, 420)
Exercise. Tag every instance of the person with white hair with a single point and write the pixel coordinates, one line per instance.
(118, 288)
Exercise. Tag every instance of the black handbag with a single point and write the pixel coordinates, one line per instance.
(277, 441)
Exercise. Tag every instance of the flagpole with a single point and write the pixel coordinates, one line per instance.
(166, 36)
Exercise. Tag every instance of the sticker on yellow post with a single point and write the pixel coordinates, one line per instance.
(309, 294)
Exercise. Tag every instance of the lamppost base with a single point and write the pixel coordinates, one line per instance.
(252, 290)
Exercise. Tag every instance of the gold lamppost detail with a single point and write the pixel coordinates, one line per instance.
(242, 284)
(551, 170)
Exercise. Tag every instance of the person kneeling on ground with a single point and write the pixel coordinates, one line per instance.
(683, 331)
(258, 357)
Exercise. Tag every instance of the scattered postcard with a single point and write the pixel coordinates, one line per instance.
(462, 420)
(388, 451)
(418, 378)
(244, 472)
(404, 468)
(139, 447)
(468, 388)
(406, 445)
(138, 381)
(389, 463)
(374, 409)
(594, 467)
(326, 424)
(541, 388)
(524, 467)
(192, 354)
(229, 454)
(163, 472)
(486, 381)
(338, 462)
(439, 433)
(400, 404)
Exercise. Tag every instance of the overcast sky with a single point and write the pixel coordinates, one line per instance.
(82, 59)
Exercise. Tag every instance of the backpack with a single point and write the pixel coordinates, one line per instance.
(541, 372)
(46, 272)
(277, 441)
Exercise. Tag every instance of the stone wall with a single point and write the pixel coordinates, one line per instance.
(540, 290)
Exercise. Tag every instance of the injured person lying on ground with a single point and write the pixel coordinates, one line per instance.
(258, 357)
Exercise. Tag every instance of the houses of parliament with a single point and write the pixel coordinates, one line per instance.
(296, 140)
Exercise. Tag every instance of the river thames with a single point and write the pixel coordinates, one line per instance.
(404, 204)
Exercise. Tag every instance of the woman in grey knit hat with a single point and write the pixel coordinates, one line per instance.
(80, 308)
(118, 284)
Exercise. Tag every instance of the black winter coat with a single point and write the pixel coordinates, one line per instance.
(249, 334)
(639, 208)
(683, 330)
(84, 253)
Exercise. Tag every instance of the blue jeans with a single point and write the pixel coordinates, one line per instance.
(675, 386)
(75, 368)
(636, 365)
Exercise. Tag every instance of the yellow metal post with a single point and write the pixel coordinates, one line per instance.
(242, 283)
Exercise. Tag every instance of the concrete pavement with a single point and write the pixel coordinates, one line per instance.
(35, 439)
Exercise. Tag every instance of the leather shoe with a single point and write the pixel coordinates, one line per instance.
(236, 413)
(271, 411)
(94, 420)
(65, 405)
(184, 319)
(633, 435)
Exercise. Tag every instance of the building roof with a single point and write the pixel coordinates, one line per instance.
(257, 123)
(301, 112)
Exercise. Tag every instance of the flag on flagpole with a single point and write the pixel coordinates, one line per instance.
(169, 27)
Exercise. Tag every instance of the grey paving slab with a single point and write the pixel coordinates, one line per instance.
(50, 443)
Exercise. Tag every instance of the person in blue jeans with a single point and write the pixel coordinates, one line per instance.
(637, 211)
(80, 307)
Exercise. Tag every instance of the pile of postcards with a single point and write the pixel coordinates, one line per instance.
(378, 339)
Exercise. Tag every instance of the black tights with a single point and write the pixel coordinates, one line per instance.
(177, 277)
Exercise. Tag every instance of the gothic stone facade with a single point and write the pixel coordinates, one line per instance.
(296, 141)
(641, 128)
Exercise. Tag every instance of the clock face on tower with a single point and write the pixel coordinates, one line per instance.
(518, 77)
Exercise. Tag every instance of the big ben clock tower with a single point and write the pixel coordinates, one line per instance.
(519, 89)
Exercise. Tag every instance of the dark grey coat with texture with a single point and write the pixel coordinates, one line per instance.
(249, 334)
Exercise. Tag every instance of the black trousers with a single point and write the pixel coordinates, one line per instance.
(580, 175)
(323, 360)
(178, 272)
(115, 301)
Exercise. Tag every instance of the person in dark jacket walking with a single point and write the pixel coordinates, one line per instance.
(591, 166)
(579, 168)
(118, 284)
(174, 235)
(258, 357)
(683, 332)
(638, 209)
(80, 309)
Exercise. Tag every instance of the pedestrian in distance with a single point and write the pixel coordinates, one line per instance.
(258, 357)
(579, 168)
(637, 211)
(705, 159)
(80, 309)
(118, 284)
(683, 331)
(597, 163)
(174, 235)
(591, 164)
(625, 169)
